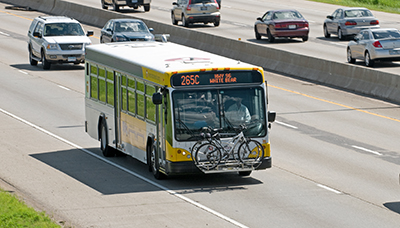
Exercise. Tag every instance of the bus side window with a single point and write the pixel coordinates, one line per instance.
(93, 82)
(102, 84)
(110, 87)
(131, 96)
(140, 98)
(150, 107)
(124, 93)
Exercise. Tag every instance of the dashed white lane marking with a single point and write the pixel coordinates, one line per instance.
(62, 87)
(367, 150)
(339, 44)
(21, 71)
(285, 124)
(329, 189)
(209, 210)
(4, 34)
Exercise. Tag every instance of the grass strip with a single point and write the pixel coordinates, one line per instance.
(15, 213)
(390, 6)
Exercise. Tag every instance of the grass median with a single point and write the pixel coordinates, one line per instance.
(390, 6)
(15, 213)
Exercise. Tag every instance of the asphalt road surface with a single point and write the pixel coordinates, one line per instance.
(335, 157)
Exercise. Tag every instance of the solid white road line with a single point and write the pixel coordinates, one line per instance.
(211, 211)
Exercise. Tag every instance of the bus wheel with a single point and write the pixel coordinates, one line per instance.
(154, 164)
(107, 151)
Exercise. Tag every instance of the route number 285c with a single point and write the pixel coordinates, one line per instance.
(189, 80)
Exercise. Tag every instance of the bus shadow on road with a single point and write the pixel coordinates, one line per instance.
(108, 177)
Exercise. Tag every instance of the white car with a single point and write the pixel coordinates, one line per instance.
(57, 39)
(371, 45)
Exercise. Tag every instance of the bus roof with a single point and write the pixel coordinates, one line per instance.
(158, 56)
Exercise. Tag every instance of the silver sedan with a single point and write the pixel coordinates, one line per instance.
(371, 45)
(349, 21)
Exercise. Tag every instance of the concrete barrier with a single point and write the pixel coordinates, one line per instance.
(350, 77)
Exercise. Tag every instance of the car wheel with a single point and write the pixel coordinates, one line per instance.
(368, 61)
(216, 23)
(326, 33)
(174, 21)
(147, 7)
(271, 38)
(32, 61)
(104, 6)
(244, 173)
(46, 64)
(340, 34)
(350, 59)
(101, 39)
(305, 38)
(184, 22)
(258, 36)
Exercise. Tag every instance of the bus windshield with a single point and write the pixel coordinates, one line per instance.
(222, 109)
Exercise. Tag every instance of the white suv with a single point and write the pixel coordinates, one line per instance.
(57, 39)
(196, 11)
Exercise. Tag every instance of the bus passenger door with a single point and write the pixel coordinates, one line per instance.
(117, 109)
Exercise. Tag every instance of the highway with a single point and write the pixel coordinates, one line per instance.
(335, 154)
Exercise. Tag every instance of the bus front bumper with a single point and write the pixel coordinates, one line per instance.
(175, 168)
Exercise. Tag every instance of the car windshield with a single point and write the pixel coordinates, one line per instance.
(131, 26)
(388, 34)
(287, 15)
(222, 109)
(357, 13)
(63, 29)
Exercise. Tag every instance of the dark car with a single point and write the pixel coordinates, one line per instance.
(349, 21)
(281, 23)
(119, 30)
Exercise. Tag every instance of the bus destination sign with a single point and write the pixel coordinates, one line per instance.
(215, 78)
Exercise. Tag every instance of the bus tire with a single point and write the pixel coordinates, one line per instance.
(107, 151)
(154, 163)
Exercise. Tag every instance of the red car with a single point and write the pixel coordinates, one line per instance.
(281, 23)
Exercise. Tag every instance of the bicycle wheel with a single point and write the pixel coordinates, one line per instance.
(251, 152)
(207, 156)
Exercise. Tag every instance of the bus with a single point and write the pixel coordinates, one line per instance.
(151, 100)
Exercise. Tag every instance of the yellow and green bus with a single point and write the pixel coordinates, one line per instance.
(151, 100)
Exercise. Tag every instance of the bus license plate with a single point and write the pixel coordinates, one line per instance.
(71, 59)
(134, 1)
(203, 8)
(292, 26)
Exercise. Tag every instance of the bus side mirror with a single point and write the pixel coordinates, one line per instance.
(271, 116)
(157, 98)
(89, 33)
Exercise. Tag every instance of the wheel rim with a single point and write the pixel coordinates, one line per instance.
(103, 138)
(348, 55)
(325, 31)
(340, 34)
(367, 59)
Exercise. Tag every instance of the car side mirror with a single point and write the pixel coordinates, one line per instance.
(259, 19)
(89, 33)
(151, 29)
(157, 98)
(174, 3)
(271, 116)
(329, 17)
(37, 34)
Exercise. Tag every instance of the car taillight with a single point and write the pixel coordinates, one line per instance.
(278, 25)
(216, 3)
(189, 7)
(351, 23)
(377, 44)
(376, 22)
